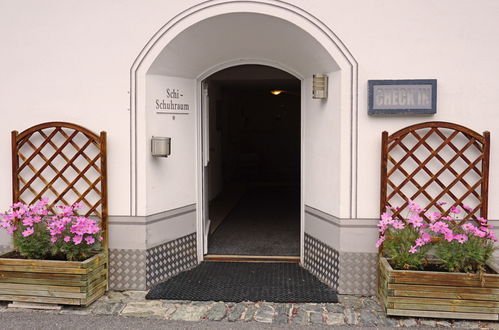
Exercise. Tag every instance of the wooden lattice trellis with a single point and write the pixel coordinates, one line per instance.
(65, 163)
(433, 162)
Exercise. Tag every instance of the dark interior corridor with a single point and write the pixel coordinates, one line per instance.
(254, 169)
(265, 222)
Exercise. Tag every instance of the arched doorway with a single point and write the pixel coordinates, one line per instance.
(216, 35)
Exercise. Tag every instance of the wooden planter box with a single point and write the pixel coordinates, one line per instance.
(438, 294)
(54, 282)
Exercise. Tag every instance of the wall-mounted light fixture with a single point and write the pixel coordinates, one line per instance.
(160, 146)
(276, 91)
(319, 86)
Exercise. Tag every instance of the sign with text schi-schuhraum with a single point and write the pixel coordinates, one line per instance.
(172, 102)
(402, 97)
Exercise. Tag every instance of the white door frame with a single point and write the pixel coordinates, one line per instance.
(200, 235)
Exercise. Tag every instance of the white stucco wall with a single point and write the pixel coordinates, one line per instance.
(171, 181)
(322, 144)
(71, 60)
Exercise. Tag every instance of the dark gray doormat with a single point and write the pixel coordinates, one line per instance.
(244, 281)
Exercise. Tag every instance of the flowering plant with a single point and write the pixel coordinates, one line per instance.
(64, 235)
(412, 241)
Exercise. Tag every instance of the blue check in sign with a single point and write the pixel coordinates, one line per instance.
(405, 97)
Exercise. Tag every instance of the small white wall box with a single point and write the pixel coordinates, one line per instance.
(160, 146)
(319, 86)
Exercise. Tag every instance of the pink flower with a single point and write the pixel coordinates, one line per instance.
(467, 208)
(485, 229)
(382, 228)
(397, 224)
(416, 220)
(433, 215)
(414, 207)
(89, 240)
(482, 220)
(425, 237)
(28, 221)
(468, 227)
(448, 235)
(12, 229)
(455, 210)
(77, 239)
(439, 227)
(461, 238)
(378, 243)
(441, 203)
(101, 238)
(28, 231)
(67, 210)
(67, 239)
(386, 218)
(19, 213)
(53, 239)
(413, 249)
(420, 242)
(479, 233)
(6, 222)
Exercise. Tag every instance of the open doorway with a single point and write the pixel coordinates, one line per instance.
(252, 175)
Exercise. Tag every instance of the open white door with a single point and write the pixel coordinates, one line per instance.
(206, 160)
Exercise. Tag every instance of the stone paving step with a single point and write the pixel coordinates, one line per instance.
(352, 311)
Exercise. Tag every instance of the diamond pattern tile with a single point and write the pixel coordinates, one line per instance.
(358, 273)
(5, 248)
(169, 259)
(322, 261)
(127, 269)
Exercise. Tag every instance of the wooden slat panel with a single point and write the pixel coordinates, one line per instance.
(445, 302)
(47, 300)
(446, 288)
(64, 287)
(96, 286)
(95, 261)
(42, 293)
(42, 276)
(419, 293)
(58, 281)
(447, 295)
(444, 281)
(438, 276)
(58, 288)
(94, 297)
(40, 263)
(96, 273)
(47, 270)
(442, 315)
(444, 308)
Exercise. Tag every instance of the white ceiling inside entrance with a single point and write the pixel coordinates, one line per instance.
(229, 37)
(255, 77)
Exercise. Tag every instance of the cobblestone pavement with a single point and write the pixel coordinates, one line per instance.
(350, 311)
